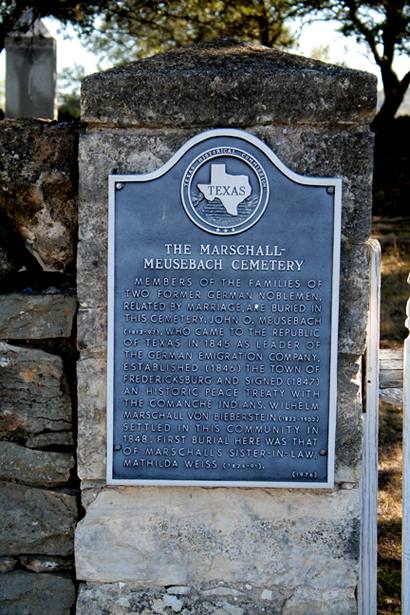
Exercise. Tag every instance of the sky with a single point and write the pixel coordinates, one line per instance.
(340, 49)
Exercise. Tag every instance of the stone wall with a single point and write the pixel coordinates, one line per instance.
(198, 550)
(39, 502)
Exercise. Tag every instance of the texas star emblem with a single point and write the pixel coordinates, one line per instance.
(225, 190)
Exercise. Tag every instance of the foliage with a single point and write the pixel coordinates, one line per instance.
(133, 28)
(136, 28)
(69, 81)
(18, 16)
(384, 26)
(127, 29)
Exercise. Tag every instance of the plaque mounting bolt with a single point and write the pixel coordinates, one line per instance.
(330, 190)
(323, 452)
(119, 186)
(117, 447)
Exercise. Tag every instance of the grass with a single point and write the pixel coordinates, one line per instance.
(395, 292)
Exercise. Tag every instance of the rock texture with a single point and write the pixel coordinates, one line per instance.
(206, 86)
(183, 536)
(7, 564)
(91, 418)
(26, 316)
(36, 521)
(38, 188)
(43, 563)
(25, 465)
(34, 394)
(38, 495)
(25, 593)
(51, 439)
(103, 599)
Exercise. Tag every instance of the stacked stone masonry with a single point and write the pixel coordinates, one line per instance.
(198, 550)
(38, 488)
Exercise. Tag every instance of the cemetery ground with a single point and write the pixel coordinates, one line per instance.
(394, 235)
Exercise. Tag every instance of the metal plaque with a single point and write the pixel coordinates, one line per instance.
(223, 304)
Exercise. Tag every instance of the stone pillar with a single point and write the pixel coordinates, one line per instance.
(236, 550)
(31, 74)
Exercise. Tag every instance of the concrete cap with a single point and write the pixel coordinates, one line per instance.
(227, 84)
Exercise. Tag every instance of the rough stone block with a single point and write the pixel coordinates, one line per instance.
(7, 564)
(331, 152)
(38, 191)
(354, 298)
(349, 419)
(51, 439)
(21, 464)
(36, 316)
(116, 151)
(227, 84)
(91, 447)
(36, 521)
(92, 331)
(269, 538)
(23, 593)
(43, 563)
(34, 395)
(102, 599)
(321, 602)
(92, 261)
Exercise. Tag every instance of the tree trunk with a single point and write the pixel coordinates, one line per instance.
(394, 92)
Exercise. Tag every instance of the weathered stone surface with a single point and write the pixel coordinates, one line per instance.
(331, 152)
(354, 298)
(104, 600)
(349, 419)
(25, 465)
(26, 316)
(36, 521)
(51, 439)
(232, 84)
(92, 331)
(45, 564)
(263, 537)
(38, 188)
(34, 394)
(7, 564)
(91, 444)
(120, 152)
(7, 262)
(321, 602)
(25, 593)
(89, 491)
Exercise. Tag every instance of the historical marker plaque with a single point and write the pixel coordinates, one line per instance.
(223, 302)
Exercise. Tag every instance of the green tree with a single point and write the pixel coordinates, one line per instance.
(17, 16)
(384, 26)
(130, 29)
(133, 28)
(69, 81)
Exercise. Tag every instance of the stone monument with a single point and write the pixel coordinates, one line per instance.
(31, 73)
(255, 545)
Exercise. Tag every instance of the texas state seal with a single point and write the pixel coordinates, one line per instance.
(225, 190)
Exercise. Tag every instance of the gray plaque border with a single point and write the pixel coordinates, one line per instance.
(328, 182)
